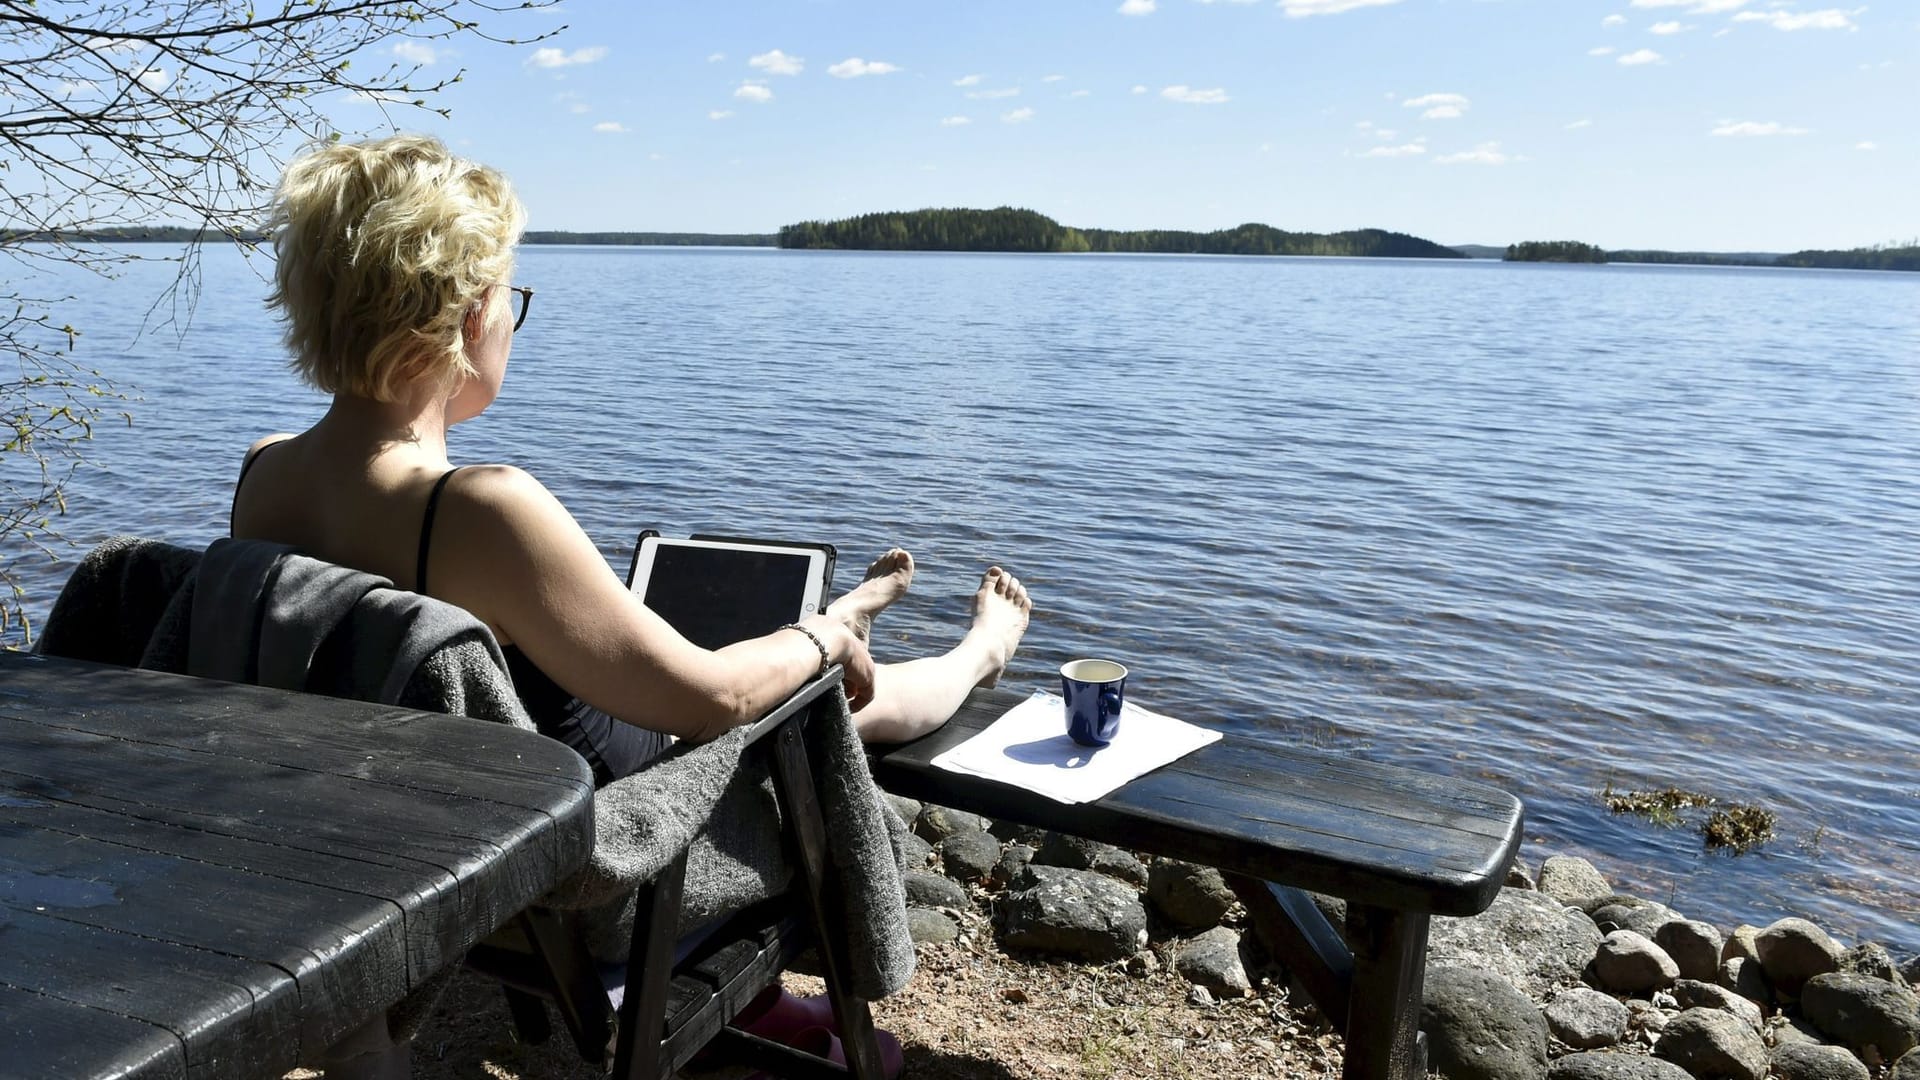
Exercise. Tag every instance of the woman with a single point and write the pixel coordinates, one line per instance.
(395, 263)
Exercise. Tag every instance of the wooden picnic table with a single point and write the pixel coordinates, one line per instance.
(1397, 845)
(203, 879)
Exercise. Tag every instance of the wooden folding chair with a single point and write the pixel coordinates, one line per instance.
(676, 997)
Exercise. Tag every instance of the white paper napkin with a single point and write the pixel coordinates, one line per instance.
(1029, 748)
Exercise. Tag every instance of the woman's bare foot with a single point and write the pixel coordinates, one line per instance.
(886, 581)
(1000, 611)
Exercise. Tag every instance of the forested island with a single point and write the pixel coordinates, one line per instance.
(1564, 251)
(1010, 229)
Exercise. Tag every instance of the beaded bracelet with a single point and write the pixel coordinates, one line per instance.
(817, 643)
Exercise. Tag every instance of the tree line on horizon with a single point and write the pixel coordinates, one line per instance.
(174, 234)
(1897, 256)
(1007, 229)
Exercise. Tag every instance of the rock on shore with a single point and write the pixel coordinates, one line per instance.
(1567, 981)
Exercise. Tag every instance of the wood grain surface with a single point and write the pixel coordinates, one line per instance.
(202, 879)
(1370, 833)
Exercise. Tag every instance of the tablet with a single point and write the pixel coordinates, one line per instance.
(717, 592)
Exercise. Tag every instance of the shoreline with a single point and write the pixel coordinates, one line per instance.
(1562, 978)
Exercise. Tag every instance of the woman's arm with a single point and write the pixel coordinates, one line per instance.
(506, 550)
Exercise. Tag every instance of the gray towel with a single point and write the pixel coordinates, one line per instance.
(697, 797)
(114, 601)
(262, 613)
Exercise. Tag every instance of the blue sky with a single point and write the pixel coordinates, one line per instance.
(1684, 124)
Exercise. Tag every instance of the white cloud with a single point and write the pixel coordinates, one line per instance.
(1671, 26)
(1487, 153)
(968, 80)
(955, 121)
(1385, 133)
(1017, 116)
(610, 127)
(72, 88)
(114, 45)
(559, 58)
(1695, 7)
(994, 95)
(415, 52)
(1404, 150)
(1755, 129)
(1577, 125)
(1081, 93)
(1187, 95)
(1827, 19)
(1639, 57)
(1137, 7)
(854, 67)
(1139, 89)
(579, 107)
(1866, 144)
(1300, 9)
(1440, 106)
(775, 62)
(754, 92)
(1600, 50)
(1052, 78)
(719, 114)
(1614, 20)
(155, 79)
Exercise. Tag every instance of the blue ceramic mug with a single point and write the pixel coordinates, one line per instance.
(1095, 691)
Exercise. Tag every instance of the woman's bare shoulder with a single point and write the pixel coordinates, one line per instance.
(263, 443)
(506, 501)
(502, 487)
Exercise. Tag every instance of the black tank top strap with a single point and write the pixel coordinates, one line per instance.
(426, 529)
(245, 468)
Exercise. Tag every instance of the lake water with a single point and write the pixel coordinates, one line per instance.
(1548, 527)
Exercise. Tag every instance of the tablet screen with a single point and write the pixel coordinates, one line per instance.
(717, 595)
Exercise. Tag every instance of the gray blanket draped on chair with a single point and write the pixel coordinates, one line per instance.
(249, 611)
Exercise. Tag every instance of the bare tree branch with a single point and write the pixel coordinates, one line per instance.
(128, 114)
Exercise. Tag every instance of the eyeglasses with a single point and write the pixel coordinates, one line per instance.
(522, 301)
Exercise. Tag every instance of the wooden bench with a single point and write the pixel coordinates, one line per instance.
(1397, 845)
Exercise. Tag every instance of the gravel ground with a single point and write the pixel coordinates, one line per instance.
(970, 1013)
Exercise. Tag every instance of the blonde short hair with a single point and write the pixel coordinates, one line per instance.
(382, 248)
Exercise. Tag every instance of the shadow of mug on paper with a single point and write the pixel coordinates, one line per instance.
(1058, 751)
(1095, 691)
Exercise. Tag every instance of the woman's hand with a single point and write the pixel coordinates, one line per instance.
(845, 648)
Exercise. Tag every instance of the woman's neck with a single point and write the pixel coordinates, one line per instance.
(378, 426)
